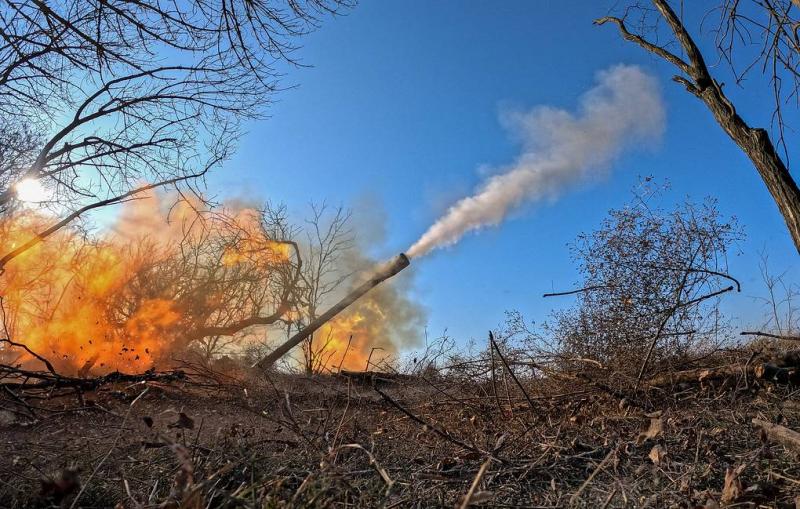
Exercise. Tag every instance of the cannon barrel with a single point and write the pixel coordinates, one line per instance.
(381, 274)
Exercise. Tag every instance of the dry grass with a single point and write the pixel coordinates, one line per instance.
(326, 441)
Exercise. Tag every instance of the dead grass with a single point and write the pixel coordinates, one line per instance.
(325, 441)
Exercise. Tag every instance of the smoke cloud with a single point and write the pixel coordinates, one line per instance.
(559, 149)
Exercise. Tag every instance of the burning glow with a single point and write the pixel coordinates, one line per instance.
(347, 340)
(268, 253)
(30, 190)
(162, 278)
(372, 329)
(78, 302)
(252, 246)
(56, 298)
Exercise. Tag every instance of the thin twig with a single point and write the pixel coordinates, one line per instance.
(574, 498)
(439, 431)
(110, 450)
(510, 372)
(475, 482)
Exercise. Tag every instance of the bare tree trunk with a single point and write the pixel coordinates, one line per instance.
(310, 355)
(755, 142)
(789, 438)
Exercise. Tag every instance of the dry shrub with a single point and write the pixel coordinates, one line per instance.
(650, 276)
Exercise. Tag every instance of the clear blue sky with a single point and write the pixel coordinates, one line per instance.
(401, 106)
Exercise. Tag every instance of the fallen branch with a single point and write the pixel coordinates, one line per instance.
(575, 496)
(768, 371)
(623, 397)
(468, 498)
(368, 377)
(768, 335)
(699, 375)
(780, 434)
(55, 381)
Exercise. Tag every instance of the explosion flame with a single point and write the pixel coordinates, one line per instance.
(132, 297)
(74, 299)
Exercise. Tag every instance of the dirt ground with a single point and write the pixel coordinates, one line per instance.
(330, 441)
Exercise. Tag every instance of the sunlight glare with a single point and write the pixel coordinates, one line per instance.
(30, 190)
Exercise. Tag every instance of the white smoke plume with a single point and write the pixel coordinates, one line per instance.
(559, 149)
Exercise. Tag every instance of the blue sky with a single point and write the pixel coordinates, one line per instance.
(398, 112)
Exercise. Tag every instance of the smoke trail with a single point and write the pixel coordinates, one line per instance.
(560, 149)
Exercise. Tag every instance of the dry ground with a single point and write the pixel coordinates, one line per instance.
(328, 441)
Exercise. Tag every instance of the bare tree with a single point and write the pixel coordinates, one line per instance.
(18, 150)
(751, 36)
(236, 273)
(328, 238)
(233, 278)
(780, 302)
(126, 92)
